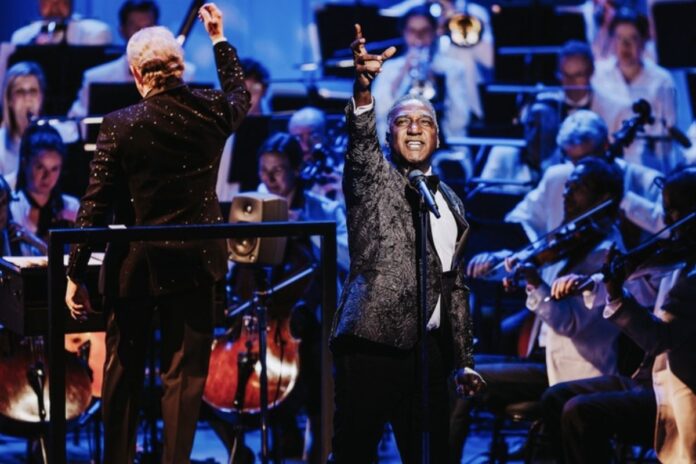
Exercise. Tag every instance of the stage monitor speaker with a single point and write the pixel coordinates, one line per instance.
(257, 207)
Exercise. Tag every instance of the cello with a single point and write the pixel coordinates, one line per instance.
(233, 386)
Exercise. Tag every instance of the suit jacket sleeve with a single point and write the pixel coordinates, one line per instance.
(366, 169)
(105, 171)
(232, 83)
(655, 335)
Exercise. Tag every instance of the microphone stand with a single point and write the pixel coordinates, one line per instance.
(261, 309)
(422, 257)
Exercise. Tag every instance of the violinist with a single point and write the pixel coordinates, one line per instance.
(578, 343)
(586, 414)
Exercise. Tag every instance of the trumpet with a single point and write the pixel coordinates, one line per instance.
(462, 28)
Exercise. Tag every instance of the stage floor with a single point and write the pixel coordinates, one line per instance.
(209, 449)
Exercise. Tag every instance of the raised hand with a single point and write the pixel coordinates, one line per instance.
(367, 66)
(211, 16)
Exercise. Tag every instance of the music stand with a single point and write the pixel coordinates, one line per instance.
(334, 20)
(531, 27)
(248, 138)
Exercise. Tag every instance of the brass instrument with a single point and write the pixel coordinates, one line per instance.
(462, 28)
(422, 83)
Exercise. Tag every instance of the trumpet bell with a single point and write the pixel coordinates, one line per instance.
(464, 30)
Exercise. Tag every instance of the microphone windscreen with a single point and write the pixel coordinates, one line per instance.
(415, 174)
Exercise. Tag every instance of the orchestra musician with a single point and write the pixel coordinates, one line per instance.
(567, 341)
(156, 164)
(58, 25)
(22, 97)
(40, 204)
(425, 71)
(583, 416)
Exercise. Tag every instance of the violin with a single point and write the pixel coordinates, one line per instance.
(655, 250)
(585, 231)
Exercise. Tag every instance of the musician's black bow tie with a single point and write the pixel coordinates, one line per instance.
(433, 182)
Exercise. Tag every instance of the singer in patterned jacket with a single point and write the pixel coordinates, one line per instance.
(376, 336)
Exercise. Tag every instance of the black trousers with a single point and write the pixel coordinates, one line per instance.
(582, 416)
(377, 384)
(186, 325)
(509, 380)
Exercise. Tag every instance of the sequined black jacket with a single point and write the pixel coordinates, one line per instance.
(379, 302)
(156, 164)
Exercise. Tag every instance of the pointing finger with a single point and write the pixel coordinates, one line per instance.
(388, 53)
(358, 32)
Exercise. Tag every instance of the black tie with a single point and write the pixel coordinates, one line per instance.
(433, 182)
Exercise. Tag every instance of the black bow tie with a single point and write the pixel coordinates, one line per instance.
(433, 182)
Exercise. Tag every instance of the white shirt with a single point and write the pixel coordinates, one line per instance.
(21, 208)
(9, 157)
(444, 233)
(79, 31)
(579, 343)
(541, 210)
(654, 84)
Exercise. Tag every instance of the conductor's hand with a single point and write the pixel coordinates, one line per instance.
(211, 16)
(77, 300)
(367, 66)
(468, 382)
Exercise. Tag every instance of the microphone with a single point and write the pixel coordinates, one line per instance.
(679, 136)
(417, 180)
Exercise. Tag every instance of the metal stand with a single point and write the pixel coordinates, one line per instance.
(422, 256)
(37, 379)
(261, 310)
(245, 364)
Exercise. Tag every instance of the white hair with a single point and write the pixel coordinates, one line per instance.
(580, 127)
(157, 56)
(308, 116)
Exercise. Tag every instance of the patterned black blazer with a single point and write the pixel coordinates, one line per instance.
(156, 164)
(379, 302)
